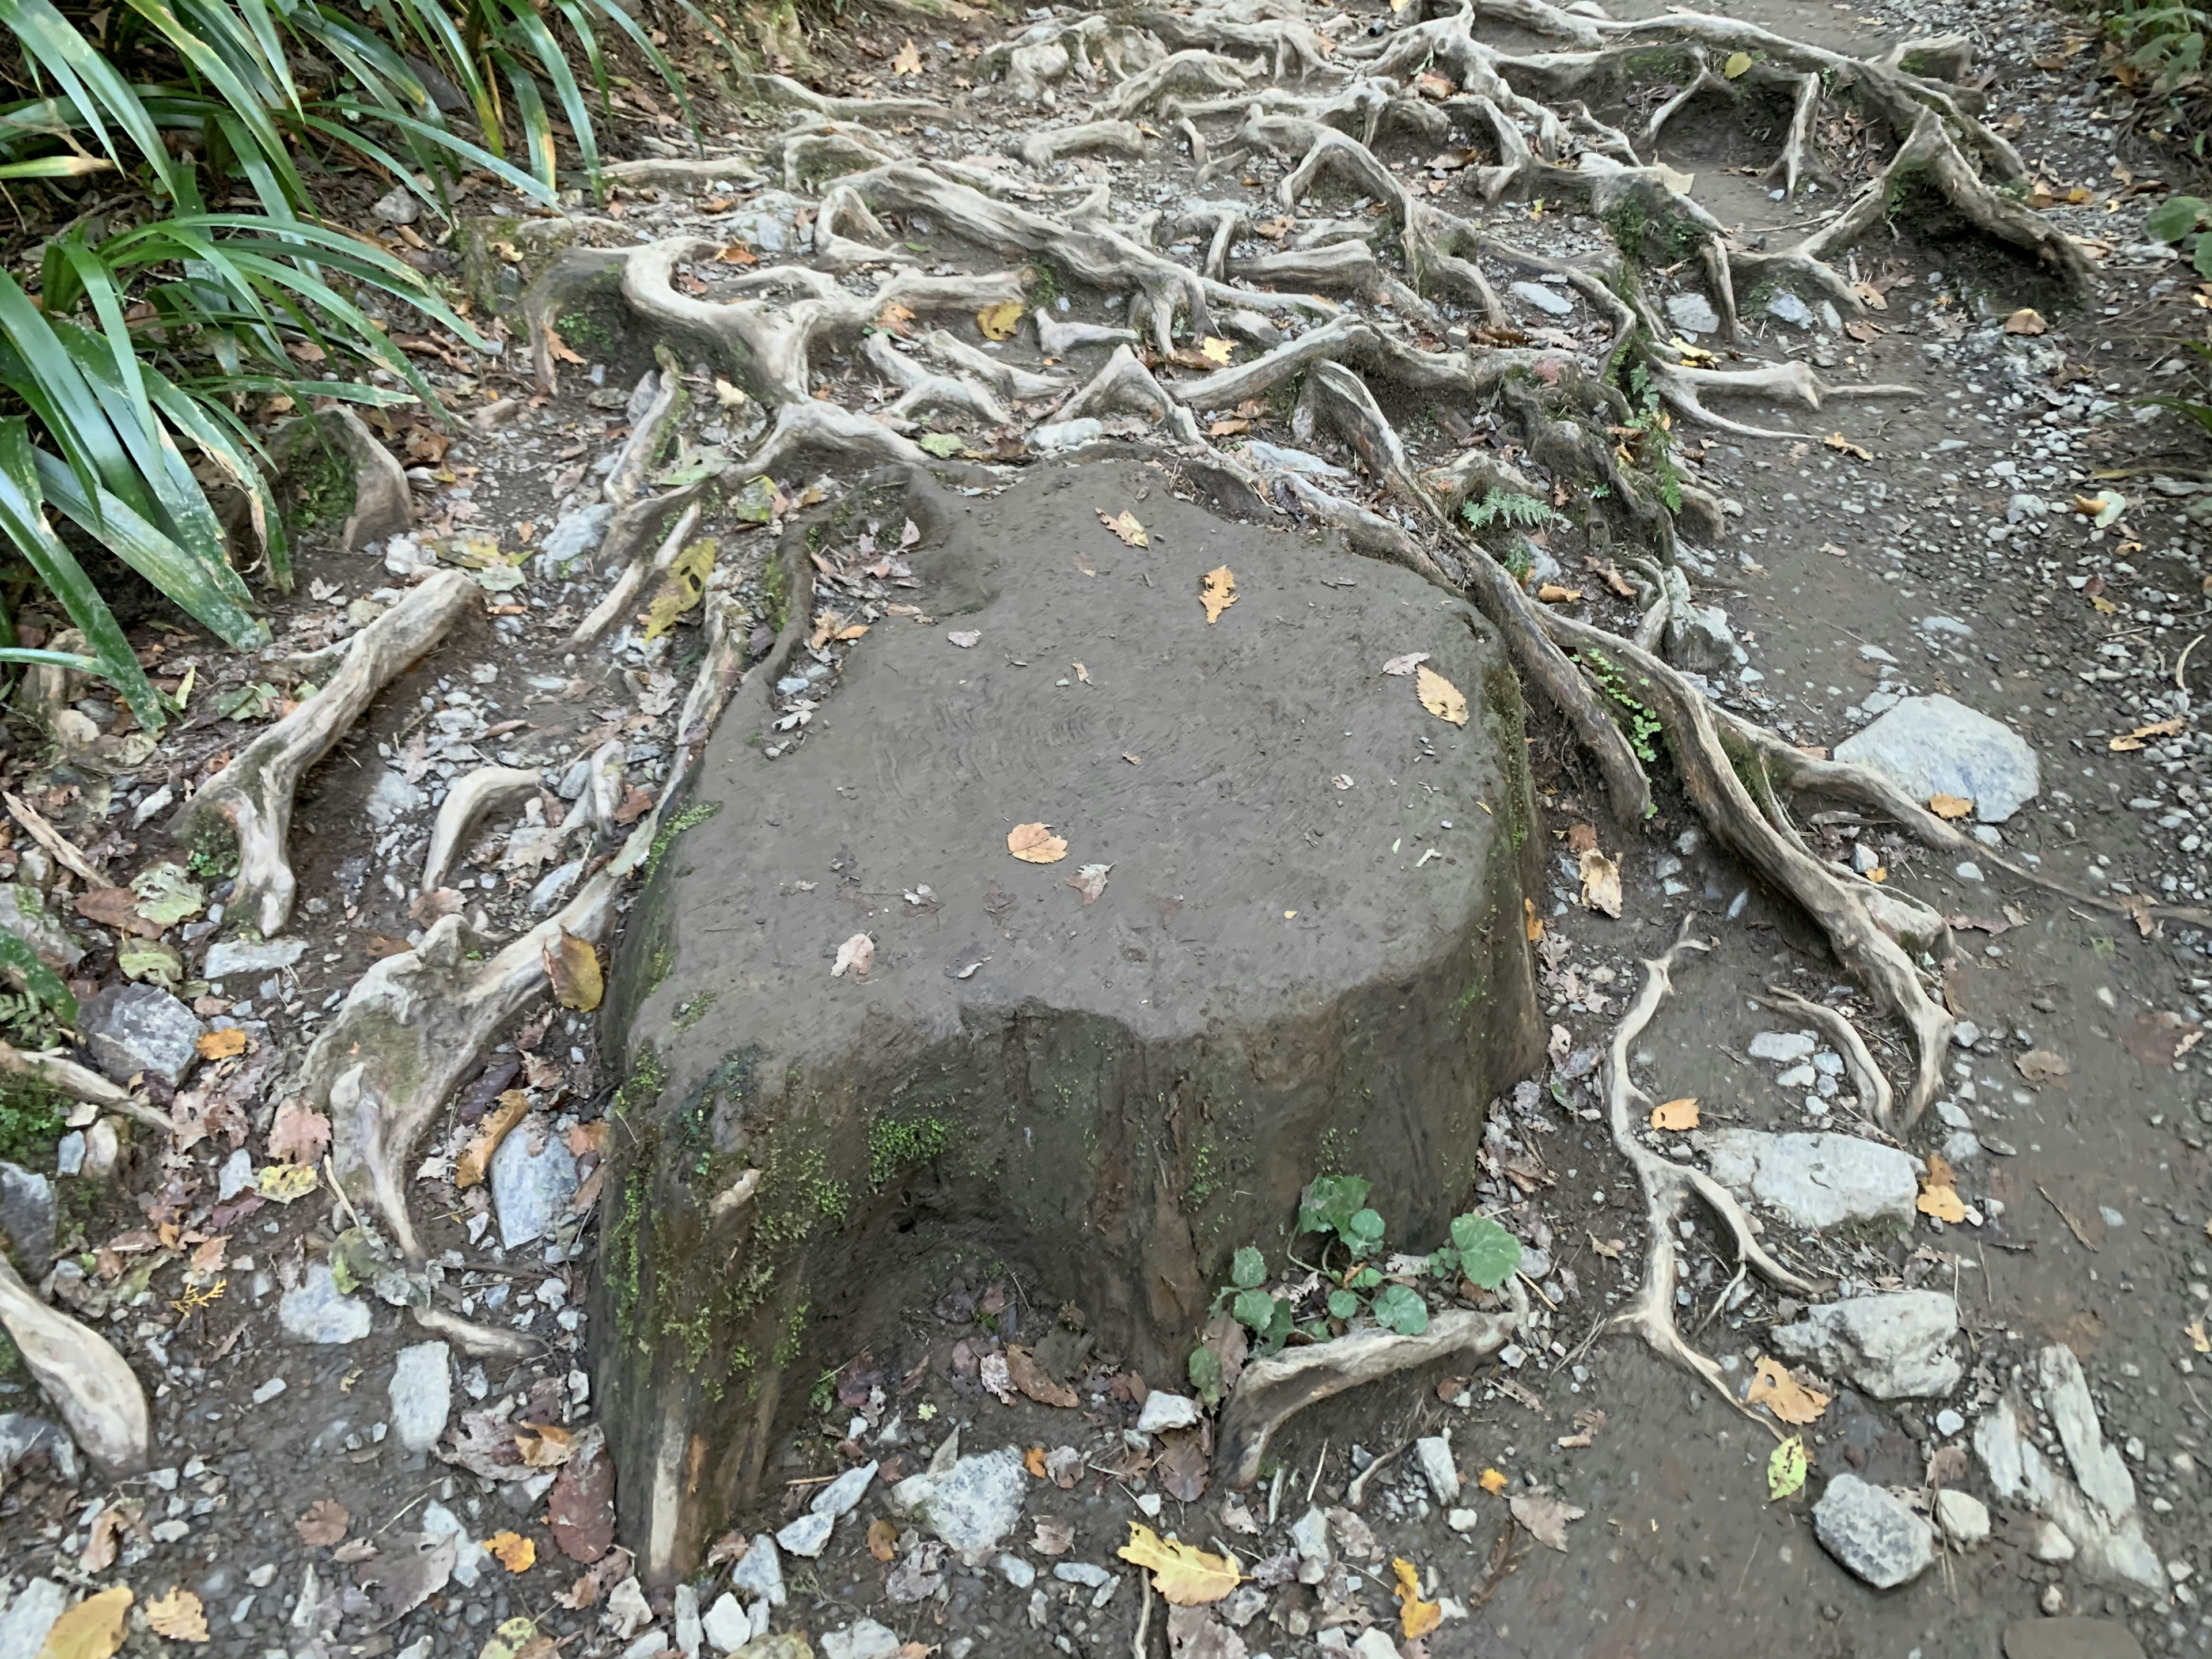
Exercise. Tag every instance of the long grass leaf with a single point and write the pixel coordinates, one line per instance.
(88, 81)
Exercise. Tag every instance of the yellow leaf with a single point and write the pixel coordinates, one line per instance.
(1843, 446)
(1552, 594)
(1439, 696)
(517, 1638)
(2133, 740)
(2026, 321)
(2197, 1337)
(513, 1551)
(1125, 525)
(1531, 923)
(2103, 606)
(573, 967)
(1035, 843)
(222, 1045)
(469, 1169)
(1784, 1394)
(1186, 1578)
(1216, 349)
(1738, 64)
(882, 1539)
(1600, 883)
(93, 1629)
(1416, 1618)
(1939, 1200)
(1676, 1114)
(1216, 592)
(178, 1617)
(998, 321)
(281, 1183)
(545, 1445)
(1949, 806)
(908, 61)
(684, 587)
(1786, 1469)
(1493, 1481)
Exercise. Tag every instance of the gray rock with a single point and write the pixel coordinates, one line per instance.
(24, 1625)
(758, 1575)
(1692, 313)
(1281, 458)
(236, 1176)
(27, 1220)
(1698, 638)
(2070, 1639)
(1549, 300)
(2111, 1545)
(727, 1627)
(397, 206)
(1310, 1538)
(573, 541)
(229, 956)
(1086, 1573)
(838, 1497)
(1782, 1048)
(866, 1640)
(1873, 1533)
(439, 1521)
(1434, 1453)
(1816, 1181)
(1964, 1517)
(1016, 1571)
(2099, 1468)
(689, 1633)
(1893, 1345)
(807, 1536)
(1164, 1411)
(317, 1312)
(132, 1029)
(533, 1177)
(973, 1505)
(1789, 309)
(24, 914)
(392, 798)
(1068, 435)
(422, 1391)
(1934, 745)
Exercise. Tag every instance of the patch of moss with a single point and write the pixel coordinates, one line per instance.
(690, 818)
(692, 1010)
(896, 1144)
(32, 1118)
(646, 1079)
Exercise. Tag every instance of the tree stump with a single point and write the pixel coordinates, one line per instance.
(1309, 955)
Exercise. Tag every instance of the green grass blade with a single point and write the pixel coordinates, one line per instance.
(90, 81)
(56, 166)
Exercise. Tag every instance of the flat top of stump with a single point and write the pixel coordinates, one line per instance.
(1201, 763)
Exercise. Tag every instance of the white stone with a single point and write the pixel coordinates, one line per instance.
(1964, 1517)
(808, 1536)
(1816, 1181)
(1937, 745)
(1692, 313)
(1894, 1345)
(727, 1627)
(533, 1177)
(689, 1630)
(1782, 1048)
(838, 1497)
(758, 1575)
(972, 1505)
(1435, 1454)
(1873, 1532)
(316, 1312)
(866, 1640)
(422, 1392)
(1068, 435)
(1549, 300)
(1164, 1411)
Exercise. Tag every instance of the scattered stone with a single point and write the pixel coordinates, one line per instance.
(1692, 313)
(390, 798)
(1166, 1410)
(533, 1177)
(1788, 308)
(758, 1575)
(1782, 1048)
(397, 206)
(973, 1505)
(229, 957)
(2109, 1541)
(1435, 1454)
(807, 1536)
(1310, 1538)
(726, 1625)
(22, 1436)
(1700, 639)
(1873, 1532)
(131, 1029)
(235, 1176)
(838, 1497)
(2099, 1468)
(689, 1633)
(27, 1220)
(439, 1521)
(1949, 1422)
(422, 1392)
(1068, 435)
(1086, 1573)
(571, 542)
(866, 1640)
(1894, 1346)
(2070, 1639)
(1549, 300)
(2052, 1544)
(24, 1625)
(1816, 1181)
(1373, 1643)
(1964, 1517)
(1934, 745)
(318, 1312)
(1016, 1571)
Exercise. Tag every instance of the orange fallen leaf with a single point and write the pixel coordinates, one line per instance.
(897, 319)
(1939, 1196)
(1216, 592)
(545, 1445)
(1035, 843)
(1033, 1460)
(1949, 806)
(1676, 1115)
(222, 1045)
(2026, 321)
(737, 254)
(1552, 594)
(1843, 446)
(1600, 883)
(1784, 1394)
(908, 61)
(1228, 427)
(475, 1160)
(323, 1523)
(1493, 1481)
(882, 1539)
(1416, 1618)
(1439, 696)
(2132, 741)
(1531, 923)
(178, 1617)
(513, 1551)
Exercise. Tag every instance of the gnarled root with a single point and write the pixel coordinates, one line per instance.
(96, 1392)
(1866, 1077)
(1669, 1186)
(483, 790)
(251, 799)
(633, 577)
(1272, 1391)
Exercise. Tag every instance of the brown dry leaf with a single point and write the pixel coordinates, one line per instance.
(1552, 594)
(856, 956)
(1588, 1422)
(2026, 321)
(301, 1134)
(897, 320)
(573, 968)
(117, 908)
(323, 1523)
(882, 1539)
(1035, 843)
(1493, 1481)
(226, 1044)
(1416, 1618)
(1862, 330)
(178, 1617)
(545, 1445)
(2041, 1066)
(1545, 1516)
(1938, 1196)
(1406, 663)
(1949, 806)
(908, 61)
(1124, 524)
(1439, 696)
(1033, 1460)
(1784, 1394)
(1676, 1115)
(1228, 427)
(997, 322)
(2134, 740)
(1216, 592)
(1610, 1248)
(1091, 882)
(737, 254)
(1033, 1380)
(99, 1549)
(513, 1551)
(1600, 883)
(2160, 1037)
(1843, 446)
(475, 1160)
(1185, 1578)
(93, 1629)
(1054, 1536)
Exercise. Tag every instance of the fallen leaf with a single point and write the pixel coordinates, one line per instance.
(1215, 350)
(1035, 843)
(1610, 1248)
(1531, 923)
(1091, 882)
(1676, 1114)
(178, 1617)
(283, 1183)
(684, 587)
(545, 1445)
(117, 908)
(2134, 740)
(1938, 1196)
(1545, 1516)
(2159, 1038)
(93, 1629)
(2026, 321)
(1416, 1618)
(1738, 64)
(1184, 1576)
(300, 1134)
(998, 321)
(1588, 1422)
(908, 61)
(1600, 883)
(513, 1551)
(855, 956)
(517, 1638)
(897, 319)
(1033, 1380)
(1843, 446)
(1784, 1394)
(1949, 806)
(323, 1523)
(1406, 663)
(474, 1164)
(102, 1547)
(1228, 427)
(1552, 594)
(1033, 1460)
(1125, 525)
(882, 1539)
(2040, 1066)
(580, 1509)
(966, 640)
(1493, 1481)
(573, 967)
(736, 255)
(1786, 1469)
(1439, 696)
(226, 1044)
(1216, 592)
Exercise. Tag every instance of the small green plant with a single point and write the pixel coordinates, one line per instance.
(31, 1118)
(1642, 725)
(2183, 221)
(692, 1010)
(1506, 506)
(1481, 1252)
(1265, 1316)
(1336, 1207)
(823, 1394)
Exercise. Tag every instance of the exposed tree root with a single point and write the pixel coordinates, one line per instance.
(483, 790)
(250, 800)
(1866, 1077)
(620, 596)
(97, 1394)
